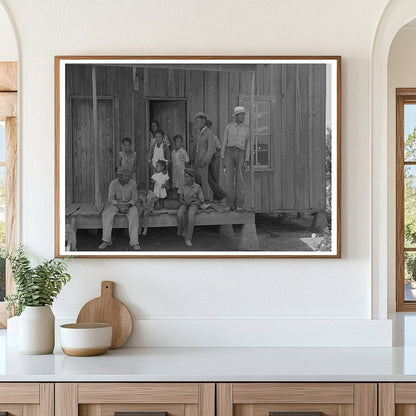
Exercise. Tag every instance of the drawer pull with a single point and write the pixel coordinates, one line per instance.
(295, 414)
(140, 414)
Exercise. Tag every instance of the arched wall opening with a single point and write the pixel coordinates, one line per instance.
(396, 15)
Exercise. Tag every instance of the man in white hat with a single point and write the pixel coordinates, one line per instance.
(122, 198)
(235, 156)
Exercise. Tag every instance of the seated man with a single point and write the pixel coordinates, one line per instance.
(122, 198)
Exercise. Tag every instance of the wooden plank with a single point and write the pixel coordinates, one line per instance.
(259, 86)
(326, 409)
(47, 399)
(386, 399)
(8, 76)
(211, 99)
(276, 135)
(234, 86)
(170, 409)
(170, 220)
(317, 139)
(345, 410)
(181, 83)
(138, 393)
(224, 399)
(71, 208)
(191, 410)
(265, 195)
(91, 410)
(66, 399)
(8, 105)
(85, 208)
(69, 176)
(365, 399)
(288, 135)
(23, 393)
(405, 410)
(302, 189)
(405, 393)
(140, 127)
(252, 393)
(207, 399)
(267, 85)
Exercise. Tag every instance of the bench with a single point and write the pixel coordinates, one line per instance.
(89, 217)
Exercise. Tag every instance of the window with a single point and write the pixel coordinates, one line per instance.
(261, 133)
(8, 165)
(406, 200)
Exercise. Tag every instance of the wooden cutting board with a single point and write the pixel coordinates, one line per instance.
(107, 309)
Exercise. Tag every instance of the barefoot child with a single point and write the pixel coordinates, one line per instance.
(190, 199)
(179, 159)
(127, 158)
(160, 180)
(146, 204)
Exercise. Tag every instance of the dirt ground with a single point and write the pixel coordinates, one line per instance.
(275, 233)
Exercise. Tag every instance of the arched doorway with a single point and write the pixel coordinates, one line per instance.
(396, 15)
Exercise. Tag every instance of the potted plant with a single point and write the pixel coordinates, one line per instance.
(36, 289)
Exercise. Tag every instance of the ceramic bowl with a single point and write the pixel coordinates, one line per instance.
(83, 340)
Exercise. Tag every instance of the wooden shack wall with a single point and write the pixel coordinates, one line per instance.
(296, 178)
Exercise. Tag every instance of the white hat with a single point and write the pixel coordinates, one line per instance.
(201, 114)
(238, 110)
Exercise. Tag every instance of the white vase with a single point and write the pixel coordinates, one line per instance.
(37, 330)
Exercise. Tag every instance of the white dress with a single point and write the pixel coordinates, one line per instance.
(158, 154)
(160, 178)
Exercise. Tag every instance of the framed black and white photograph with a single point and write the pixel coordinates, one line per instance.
(198, 156)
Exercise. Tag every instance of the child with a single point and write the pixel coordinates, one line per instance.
(127, 157)
(160, 181)
(146, 203)
(179, 158)
(158, 150)
(190, 199)
(154, 127)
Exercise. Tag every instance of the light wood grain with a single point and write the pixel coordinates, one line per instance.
(346, 410)
(138, 393)
(252, 393)
(84, 352)
(207, 399)
(224, 399)
(107, 309)
(8, 105)
(19, 393)
(405, 410)
(405, 393)
(191, 410)
(47, 399)
(365, 399)
(8, 76)
(110, 409)
(66, 399)
(13, 409)
(262, 410)
(386, 399)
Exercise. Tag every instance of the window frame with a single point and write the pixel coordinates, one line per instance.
(8, 113)
(243, 100)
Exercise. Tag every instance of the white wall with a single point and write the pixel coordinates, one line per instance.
(401, 74)
(8, 47)
(197, 302)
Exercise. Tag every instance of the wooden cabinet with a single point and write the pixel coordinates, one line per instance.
(106, 399)
(262, 399)
(397, 399)
(27, 399)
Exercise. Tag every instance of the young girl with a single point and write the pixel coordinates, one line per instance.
(146, 204)
(190, 199)
(127, 158)
(160, 181)
(158, 150)
(179, 158)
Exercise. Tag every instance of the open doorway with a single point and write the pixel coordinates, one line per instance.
(172, 116)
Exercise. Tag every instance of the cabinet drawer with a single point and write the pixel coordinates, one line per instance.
(21, 399)
(297, 399)
(148, 399)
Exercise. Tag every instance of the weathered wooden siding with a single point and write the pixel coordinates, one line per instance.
(296, 178)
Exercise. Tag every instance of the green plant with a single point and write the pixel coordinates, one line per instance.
(38, 285)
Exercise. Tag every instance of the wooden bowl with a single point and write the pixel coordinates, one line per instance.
(84, 340)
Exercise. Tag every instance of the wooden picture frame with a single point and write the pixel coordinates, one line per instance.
(279, 163)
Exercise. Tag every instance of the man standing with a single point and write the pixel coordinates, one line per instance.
(205, 149)
(122, 198)
(235, 156)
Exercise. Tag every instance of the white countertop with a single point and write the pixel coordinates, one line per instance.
(215, 364)
(221, 364)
